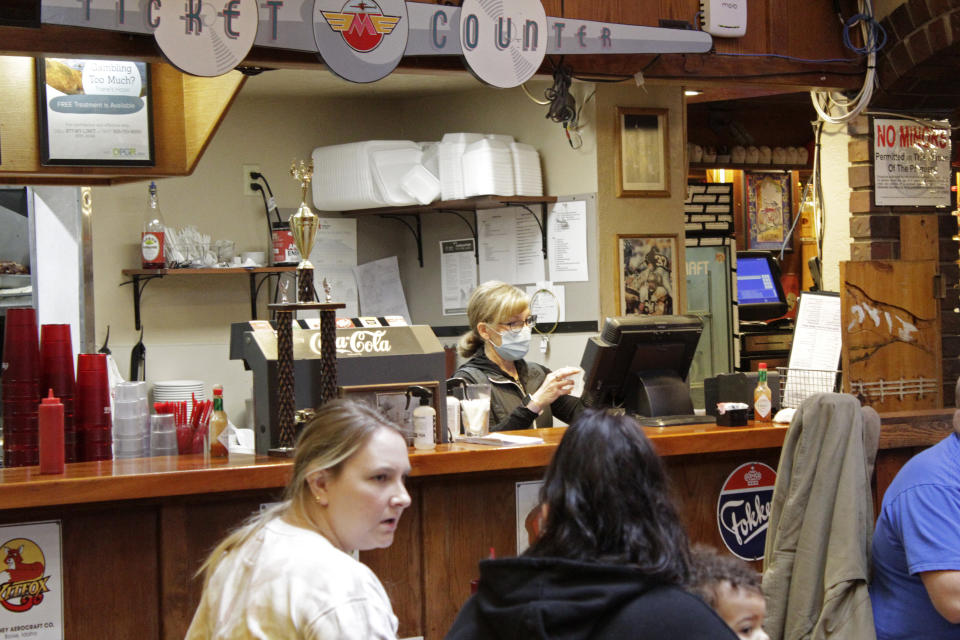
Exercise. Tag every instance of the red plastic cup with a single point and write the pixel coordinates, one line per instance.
(16, 390)
(15, 407)
(20, 457)
(21, 350)
(20, 439)
(19, 423)
(92, 408)
(56, 361)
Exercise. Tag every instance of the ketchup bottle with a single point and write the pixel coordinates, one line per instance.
(51, 434)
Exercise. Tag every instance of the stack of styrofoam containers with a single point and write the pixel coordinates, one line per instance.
(527, 178)
(343, 176)
(131, 437)
(488, 168)
(450, 163)
(391, 163)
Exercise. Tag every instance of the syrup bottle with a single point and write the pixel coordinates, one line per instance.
(762, 397)
(152, 249)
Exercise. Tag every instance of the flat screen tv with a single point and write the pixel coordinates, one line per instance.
(759, 292)
(640, 363)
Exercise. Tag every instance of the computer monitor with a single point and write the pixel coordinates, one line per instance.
(759, 292)
(640, 363)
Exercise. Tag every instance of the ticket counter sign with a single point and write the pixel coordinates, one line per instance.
(31, 582)
(743, 509)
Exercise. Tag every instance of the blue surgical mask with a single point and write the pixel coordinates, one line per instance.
(513, 344)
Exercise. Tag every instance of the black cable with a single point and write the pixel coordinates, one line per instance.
(256, 175)
(257, 187)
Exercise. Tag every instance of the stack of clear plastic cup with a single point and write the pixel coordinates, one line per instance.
(163, 435)
(131, 435)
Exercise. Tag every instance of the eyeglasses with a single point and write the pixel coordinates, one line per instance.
(529, 321)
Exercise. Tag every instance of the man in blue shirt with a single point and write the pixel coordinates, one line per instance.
(915, 589)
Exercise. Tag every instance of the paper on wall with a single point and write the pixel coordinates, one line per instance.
(567, 241)
(510, 246)
(380, 290)
(458, 274)
(336, 243)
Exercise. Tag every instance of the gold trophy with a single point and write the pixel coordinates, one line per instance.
(303, 226)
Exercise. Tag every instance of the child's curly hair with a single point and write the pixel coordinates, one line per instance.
(709, 568)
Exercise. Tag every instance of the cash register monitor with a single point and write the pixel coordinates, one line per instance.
(759, 293)
(640, 363)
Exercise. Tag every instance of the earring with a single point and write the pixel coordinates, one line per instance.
(316, 498)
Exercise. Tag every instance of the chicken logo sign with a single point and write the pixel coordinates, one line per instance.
(362, 40)
(743, 509)
(25, 568)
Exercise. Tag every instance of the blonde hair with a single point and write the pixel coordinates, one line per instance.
(491, 302)
(339, 429)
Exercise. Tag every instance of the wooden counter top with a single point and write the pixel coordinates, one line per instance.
(87, 482)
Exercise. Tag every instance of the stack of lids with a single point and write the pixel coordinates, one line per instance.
(527, 178)
(450, 163)
(488, 168)
(361, 175)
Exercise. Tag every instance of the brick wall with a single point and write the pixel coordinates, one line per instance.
(876, 233)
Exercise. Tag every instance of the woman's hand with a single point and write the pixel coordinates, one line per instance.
(557, 383)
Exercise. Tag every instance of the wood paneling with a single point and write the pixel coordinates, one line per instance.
(129, 562)
(186, 113)
(891, 330)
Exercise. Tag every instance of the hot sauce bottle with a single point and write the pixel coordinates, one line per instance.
(762, 398)
(218, 422)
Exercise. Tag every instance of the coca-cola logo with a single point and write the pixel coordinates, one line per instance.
(743, 509)
(359, 342)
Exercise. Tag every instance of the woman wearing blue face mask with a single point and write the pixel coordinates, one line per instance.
(520, 392)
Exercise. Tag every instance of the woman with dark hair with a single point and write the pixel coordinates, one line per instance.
(612, 558)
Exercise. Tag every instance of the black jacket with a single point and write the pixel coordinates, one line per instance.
(552, 598)
(508, 397)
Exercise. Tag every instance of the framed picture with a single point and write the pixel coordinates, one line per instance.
(647, 278)
(95, 112)
(643, 167)
(768, 209)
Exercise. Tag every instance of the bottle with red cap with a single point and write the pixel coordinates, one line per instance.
(51, 434)
(762, 397)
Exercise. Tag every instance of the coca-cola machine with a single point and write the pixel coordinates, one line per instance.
(374, 364)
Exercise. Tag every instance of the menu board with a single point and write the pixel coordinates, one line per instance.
(94, 112)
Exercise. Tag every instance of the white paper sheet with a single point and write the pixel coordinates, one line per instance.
(380, 289)
(510, 246)
(343, 288)
(336, 243)
(458, 274)
(817, 344)
(567, 241)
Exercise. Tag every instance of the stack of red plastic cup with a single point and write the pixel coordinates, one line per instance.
(56, 372)
(21, 388)
(92, 408)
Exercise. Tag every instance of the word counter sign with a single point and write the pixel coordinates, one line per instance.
(31, 582)
(743, 509)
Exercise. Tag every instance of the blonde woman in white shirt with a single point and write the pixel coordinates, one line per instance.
(289, 572)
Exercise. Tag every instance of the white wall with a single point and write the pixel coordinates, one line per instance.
(836, 196)
(187, 319)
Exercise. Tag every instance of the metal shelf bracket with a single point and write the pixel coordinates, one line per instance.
(417, 232)
(139, 283)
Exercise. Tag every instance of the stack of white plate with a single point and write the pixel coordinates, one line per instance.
(450, 163)
(527, 178)
(488, 169)
(179, 391)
